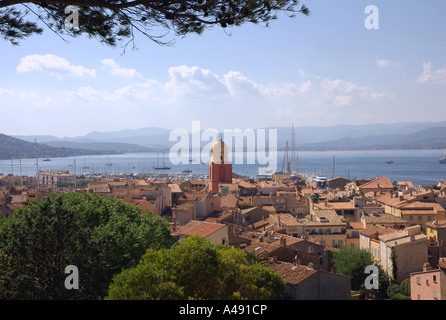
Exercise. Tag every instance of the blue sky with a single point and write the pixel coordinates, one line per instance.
(323, 70)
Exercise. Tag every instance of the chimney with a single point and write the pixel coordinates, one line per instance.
(427, 266)
(283, 242)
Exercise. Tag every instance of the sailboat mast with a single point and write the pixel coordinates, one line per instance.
(37, 164)
(293, 149)
(21, 173)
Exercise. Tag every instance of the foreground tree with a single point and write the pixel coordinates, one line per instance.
(399, 291)
(196, 269)
(98, 235)
(353, 262)
(116, 20)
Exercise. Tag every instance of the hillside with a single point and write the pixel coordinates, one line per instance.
(99, 146)
(13, 148)
(431, 138)
(424, 135)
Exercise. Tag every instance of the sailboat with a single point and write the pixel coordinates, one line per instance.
(109, 164)
(85, 165)
(163, 167)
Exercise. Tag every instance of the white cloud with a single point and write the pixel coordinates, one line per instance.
(116, 70)
(55, 66)
(192, 90)
(193, 80)
(35, 99)
(306, 87)
(432, 77)
(387, 63)
(342, 93)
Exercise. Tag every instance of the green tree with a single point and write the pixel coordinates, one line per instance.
(117, 20)
(99, 235)
(399, 291)
(196, 269)
(352, 262)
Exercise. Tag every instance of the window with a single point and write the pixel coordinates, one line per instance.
(410, 218)
(418, 280)
(435, 295)
(420, 218)
(429, 218)
(434, 278)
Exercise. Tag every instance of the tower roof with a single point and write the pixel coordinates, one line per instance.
(219, 151)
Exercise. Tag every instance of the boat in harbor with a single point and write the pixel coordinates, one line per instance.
(443, 160)
(109, 164)
(389, 161)
(47, 159)
(186, 171)
(163, 167)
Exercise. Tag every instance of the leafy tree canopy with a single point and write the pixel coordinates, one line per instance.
(99, 235)
(399, 291)
(352, 262)
(118, 20)
(196, 269)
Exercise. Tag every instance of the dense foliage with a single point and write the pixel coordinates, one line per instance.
(196, 269)
(100, 236)
(117, 20)
(399, 291)
(353, 262)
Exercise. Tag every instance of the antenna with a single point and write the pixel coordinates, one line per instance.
(37, 164)
(285, 158)
(21, 173)
(293, 147)
(12, 172)
(74, 168)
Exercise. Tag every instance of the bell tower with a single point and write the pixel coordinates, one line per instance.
(220, 170)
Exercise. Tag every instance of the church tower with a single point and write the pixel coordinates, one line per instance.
(220, 170)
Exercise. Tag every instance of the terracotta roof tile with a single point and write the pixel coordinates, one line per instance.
(292, 274)
(200, 228)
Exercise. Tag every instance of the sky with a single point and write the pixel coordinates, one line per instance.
(325, 69)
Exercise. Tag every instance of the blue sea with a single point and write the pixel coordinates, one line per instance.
(422, 167)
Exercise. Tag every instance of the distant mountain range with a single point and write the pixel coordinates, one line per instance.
(424, 135)
(431, 138)
(13, 148)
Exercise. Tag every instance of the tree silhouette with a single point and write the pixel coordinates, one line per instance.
(117, 21)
